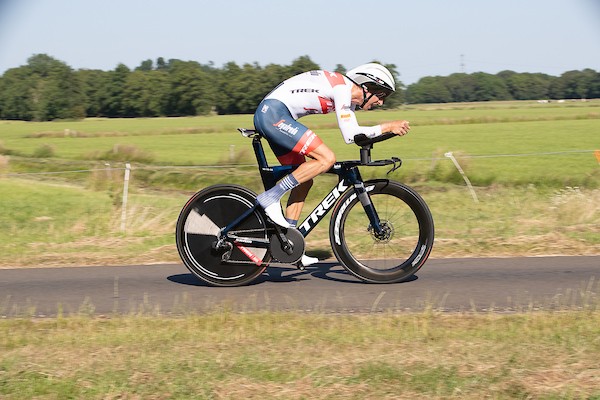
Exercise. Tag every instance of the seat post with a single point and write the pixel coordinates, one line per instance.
(266, 173)
(259, 152)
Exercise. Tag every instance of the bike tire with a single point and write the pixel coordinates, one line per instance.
(395, 257)
(198, 226)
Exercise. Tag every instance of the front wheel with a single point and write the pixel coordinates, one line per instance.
(198, 230)
(401, 247)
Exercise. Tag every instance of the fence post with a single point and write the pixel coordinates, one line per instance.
(468, 182)
(231, 153)
(125, 192)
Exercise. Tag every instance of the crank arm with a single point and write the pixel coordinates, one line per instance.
(286, 245)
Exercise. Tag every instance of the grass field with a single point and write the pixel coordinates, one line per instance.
(471, 131)
(538, 185)
(293, 356)
(532, 165)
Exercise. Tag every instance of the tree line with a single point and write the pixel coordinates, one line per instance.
(47, 89)
(506, 85)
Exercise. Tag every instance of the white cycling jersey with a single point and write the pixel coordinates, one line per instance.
(321, 92)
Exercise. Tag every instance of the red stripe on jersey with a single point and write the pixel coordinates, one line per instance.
(326, 105)
(307, 143)
(334, 78)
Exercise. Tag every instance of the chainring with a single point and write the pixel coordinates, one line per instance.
(294, 236)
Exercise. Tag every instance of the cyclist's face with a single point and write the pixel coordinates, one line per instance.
(374, 101)
(359, 93)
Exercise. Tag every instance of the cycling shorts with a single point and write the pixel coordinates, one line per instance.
(288, 138)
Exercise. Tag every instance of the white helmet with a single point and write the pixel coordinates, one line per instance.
(375, 77)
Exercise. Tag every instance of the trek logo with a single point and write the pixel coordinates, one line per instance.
(287, 128)
(304, 91)
(323, 208)
(311, 136)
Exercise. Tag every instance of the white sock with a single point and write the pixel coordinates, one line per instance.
(275, 194)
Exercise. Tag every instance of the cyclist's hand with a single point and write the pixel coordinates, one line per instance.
(399, 128)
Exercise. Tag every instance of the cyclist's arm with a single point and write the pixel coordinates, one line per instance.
(347, 118)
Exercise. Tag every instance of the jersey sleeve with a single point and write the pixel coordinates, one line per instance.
(346, 117)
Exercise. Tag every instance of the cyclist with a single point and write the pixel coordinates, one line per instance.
(317, 92)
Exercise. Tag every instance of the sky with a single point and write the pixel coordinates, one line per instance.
(421, 37)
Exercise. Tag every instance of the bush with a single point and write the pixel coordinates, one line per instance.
(124, 153)
(44, 151)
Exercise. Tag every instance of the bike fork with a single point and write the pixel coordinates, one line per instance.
(365, 200)
(352, 176)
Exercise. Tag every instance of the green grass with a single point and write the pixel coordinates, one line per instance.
(63, 219)
(48, 213)
(525, 131)
(529, 205)
(293, 356)
(50, 224)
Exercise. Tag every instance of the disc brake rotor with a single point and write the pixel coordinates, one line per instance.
(386, 234)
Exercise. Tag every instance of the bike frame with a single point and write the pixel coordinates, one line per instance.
(347, 172)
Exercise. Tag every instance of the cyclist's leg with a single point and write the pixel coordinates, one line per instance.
(296, 200)
(300, 181)
(290, 141)
(322, 159)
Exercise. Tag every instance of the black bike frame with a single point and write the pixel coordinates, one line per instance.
(348, 174)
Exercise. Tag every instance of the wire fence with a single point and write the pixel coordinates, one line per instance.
(229, 166)
(127, 169)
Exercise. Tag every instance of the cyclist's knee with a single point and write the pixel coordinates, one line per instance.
(326, 158)
(329, 160)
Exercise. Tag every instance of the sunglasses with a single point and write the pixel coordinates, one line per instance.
(381, 94)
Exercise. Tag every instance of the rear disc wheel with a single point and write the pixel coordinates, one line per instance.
(198, 229)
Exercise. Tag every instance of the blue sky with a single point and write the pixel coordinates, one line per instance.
(422, 37)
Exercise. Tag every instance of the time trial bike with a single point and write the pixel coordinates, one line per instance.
(380, 230)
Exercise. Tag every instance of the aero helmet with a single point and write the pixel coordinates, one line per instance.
(376, 78)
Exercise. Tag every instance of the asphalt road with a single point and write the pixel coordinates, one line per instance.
(484, 284)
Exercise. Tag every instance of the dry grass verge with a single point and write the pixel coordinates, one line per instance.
(294, 356)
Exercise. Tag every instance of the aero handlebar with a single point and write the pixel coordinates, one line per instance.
(362, 140)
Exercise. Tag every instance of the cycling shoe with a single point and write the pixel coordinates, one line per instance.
(308, 260)
(274, 212)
